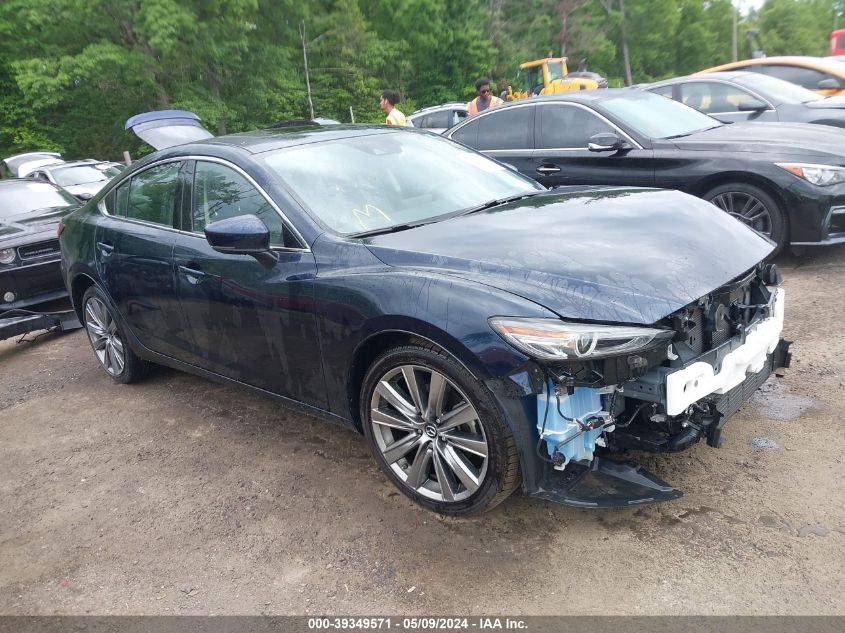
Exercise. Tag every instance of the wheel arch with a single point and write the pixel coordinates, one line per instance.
(79, 285)
(749, 178)
(377, 342)
(741, 177)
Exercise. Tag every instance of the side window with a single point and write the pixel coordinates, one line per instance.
(152, 194)
(806, 77)
(457, 117)
(468, 135)
(219, 193)
(507, 128)
(564, 126)
(121, 200)
(715, 97)
(438, 119)
(663, 91)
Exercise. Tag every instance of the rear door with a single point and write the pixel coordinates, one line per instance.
(134, 245)
(506, 134)
(561, 157)
(247, 322)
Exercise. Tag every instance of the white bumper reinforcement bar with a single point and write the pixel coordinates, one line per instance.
(692, 383)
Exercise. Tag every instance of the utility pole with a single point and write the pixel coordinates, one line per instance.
(305, 58)
(733, 33)
(626, 57)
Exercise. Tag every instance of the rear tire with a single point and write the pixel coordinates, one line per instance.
(108, 339)
(451, 453)
(755, 208)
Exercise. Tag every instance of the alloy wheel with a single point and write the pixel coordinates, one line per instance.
(746, 208)
(105, 339)
(429, 433)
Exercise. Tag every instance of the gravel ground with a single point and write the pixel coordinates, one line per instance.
(178, 495)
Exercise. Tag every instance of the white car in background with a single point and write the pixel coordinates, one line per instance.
(82, 179)
(439, 118)
(21, 165)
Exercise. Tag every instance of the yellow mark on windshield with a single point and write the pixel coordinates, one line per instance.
(369, 211)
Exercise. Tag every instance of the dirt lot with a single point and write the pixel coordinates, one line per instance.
(181, 496)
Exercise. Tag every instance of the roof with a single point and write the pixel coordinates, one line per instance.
(576, 96)
(260, 141)
(9, 182)
(457, 104)
(727, 75)
(820, 63)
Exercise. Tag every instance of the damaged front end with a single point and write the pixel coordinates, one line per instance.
(657, 389)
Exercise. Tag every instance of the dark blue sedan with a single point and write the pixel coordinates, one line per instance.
(482, 332)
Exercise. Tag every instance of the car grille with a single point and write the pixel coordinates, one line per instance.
(41, 249)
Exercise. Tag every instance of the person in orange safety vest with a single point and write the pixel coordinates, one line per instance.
(389, 99)
(484, 99)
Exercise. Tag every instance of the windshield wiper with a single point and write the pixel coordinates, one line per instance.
(386, 229)
(704, 129)
(500, 201)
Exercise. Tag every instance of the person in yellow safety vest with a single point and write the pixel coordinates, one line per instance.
(484, 100)
(389, 99)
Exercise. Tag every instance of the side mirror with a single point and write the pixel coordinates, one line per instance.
(242, 235)
(752, 105)
(828, 84)
(606, 142)
(85, 197)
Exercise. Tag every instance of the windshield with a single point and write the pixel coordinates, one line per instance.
(779, 90)
(31, 196)
(654, 116)
(83, 174)
(382, 180)
(555, 70)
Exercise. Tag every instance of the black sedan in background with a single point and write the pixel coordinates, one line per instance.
(746, 96)
(29, 247)
(480, 331)
(786, 181)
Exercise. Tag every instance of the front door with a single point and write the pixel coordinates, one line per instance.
(561, 157)
(248, 322)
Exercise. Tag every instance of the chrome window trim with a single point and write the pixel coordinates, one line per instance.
(478, 116)
(101, 206)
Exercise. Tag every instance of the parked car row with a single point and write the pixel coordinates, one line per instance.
(786, 181)
(29, 248)
(43, 188)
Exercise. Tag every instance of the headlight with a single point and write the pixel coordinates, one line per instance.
(552, 339)
(822, 175)
(7, 255)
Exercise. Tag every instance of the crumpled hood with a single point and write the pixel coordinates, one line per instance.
(775, 138)
(616, 255)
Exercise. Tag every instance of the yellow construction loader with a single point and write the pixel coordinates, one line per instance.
(551, 75)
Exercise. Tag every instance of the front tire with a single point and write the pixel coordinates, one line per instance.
(108, 339)
(436, 433)
(753, 207)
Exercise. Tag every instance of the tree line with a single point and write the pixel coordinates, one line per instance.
(72, 71)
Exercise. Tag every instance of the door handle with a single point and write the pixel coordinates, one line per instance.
(547, 169)
(193, 273)
(106, 249)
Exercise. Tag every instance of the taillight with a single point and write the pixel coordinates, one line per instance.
(60, 228)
